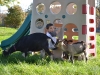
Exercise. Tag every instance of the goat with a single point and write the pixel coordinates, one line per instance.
(73, 49)
(32, 42)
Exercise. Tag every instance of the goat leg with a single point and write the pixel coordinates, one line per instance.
(85, 54)
(72, 59)
(42, 53)
(69, 58)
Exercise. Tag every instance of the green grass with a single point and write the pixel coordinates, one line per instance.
(15, 64)
(6, 33)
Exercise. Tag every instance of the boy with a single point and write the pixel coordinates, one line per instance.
(52, 33)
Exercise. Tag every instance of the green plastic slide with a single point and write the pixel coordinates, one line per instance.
(22, 31)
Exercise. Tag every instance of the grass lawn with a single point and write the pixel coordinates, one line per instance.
(15, 64)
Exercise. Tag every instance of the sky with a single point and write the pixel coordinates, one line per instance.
(23, 3)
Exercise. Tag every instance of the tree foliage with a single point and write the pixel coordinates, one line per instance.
(15, 16)
(97, 16)
(98, 12)
(7, 2)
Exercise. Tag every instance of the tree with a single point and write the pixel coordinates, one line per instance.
(15, 16)
(7, 2)
(97, 16)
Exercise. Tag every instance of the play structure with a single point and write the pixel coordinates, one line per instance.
(75, 17)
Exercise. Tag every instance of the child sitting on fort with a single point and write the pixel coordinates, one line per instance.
(52, 33)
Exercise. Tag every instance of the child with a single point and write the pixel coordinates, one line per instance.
(52, 33)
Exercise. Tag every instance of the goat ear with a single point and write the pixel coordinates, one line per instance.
(82, 41)
(65, 40)
(70, 41)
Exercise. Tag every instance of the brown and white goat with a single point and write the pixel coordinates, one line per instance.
(75, 49)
